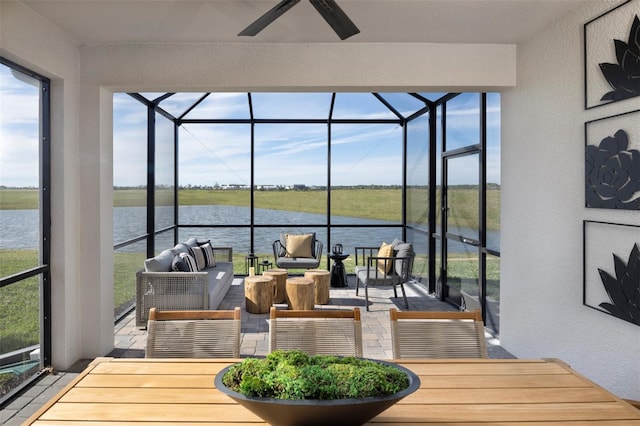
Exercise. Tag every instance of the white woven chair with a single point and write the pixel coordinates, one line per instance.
(193, 334)
(317, 332)
(434, 334)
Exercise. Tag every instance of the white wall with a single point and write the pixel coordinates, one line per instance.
(543, 144)
(28, 40)
(542, 176)
(84, 78)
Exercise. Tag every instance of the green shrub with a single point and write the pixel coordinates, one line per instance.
(298, 375)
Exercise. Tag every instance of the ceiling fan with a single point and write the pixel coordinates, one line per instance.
(330, 11)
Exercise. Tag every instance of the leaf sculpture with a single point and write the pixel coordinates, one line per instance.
(624, 288)
(612, 172)
(624, 77)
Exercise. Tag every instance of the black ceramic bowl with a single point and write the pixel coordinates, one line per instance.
(309, 412)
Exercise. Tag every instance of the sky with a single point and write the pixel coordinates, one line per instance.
(19, 131)
(285, 154)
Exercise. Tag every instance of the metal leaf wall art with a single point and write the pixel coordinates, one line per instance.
(624, 77)
(612, 173)
(623, 289)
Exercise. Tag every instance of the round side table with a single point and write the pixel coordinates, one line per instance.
(338, 274)
(301, 293)
(258, 293)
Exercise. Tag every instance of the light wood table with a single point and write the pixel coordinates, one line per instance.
(497, 392)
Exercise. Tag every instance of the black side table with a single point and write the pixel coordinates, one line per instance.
(264, 264)
(338, 274)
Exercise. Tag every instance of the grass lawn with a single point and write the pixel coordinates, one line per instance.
(19, 318)
(374, 203)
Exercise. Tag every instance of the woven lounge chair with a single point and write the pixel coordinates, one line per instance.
(430, 334)
(317, 332)
(193, 334)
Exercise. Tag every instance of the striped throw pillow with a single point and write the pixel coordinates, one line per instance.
(192, 266)
(209, 255)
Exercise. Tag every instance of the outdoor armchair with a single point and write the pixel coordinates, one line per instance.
(437, 334)
(193, 334)
(385, 265)
(317, 332)
(292, 251)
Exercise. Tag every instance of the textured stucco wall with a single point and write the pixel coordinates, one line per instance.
(30, 41)
(84, 78)
(543, 144)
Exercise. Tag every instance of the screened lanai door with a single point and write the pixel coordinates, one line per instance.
(461, 254)
(469, 221)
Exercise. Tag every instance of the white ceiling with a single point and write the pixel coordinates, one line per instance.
(187, 21)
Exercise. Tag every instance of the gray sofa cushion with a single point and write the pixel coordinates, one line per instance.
(375, 277)
(181, 248)
(160, 263)
(402, 250)
(192, 242)
(220, 279)
(297, 262)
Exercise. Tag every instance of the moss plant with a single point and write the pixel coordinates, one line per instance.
(298, 375)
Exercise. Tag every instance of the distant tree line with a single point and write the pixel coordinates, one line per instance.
(297, 187)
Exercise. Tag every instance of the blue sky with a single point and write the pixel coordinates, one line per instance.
(288, 154)
(19, 132)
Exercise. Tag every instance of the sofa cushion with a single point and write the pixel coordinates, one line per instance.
(201, 260)
(283, 244)
(375, 277)
(299, 245)
(160, 263)
(192, 242)
(386, 250)
(395, 243)
(297, 263)
(180, 248)
(209, 256)
(403, 250)
(190, 262)
(180, 264)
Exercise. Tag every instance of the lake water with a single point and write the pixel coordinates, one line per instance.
(20, 230)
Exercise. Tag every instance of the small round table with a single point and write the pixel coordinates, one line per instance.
(321, 279)
(258, 293)
(280, 276)
(301, 293)
(338, 274)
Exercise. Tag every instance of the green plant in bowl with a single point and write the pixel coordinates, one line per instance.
(295, 388)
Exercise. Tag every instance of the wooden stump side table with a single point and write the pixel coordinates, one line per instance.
(258, 293)
(322, 279)
(301, 293)
(280, 277)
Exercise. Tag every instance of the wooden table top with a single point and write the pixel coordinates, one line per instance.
(169, 392)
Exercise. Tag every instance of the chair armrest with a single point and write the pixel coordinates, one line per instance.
(318, 250)
(363, 253)
(278, 248)
(401, 266)
(170, 291)
(223, 252)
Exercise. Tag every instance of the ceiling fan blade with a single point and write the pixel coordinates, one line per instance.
(273, 14)
(339, 21)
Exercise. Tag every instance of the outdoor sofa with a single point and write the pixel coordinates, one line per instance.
(184, 278)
